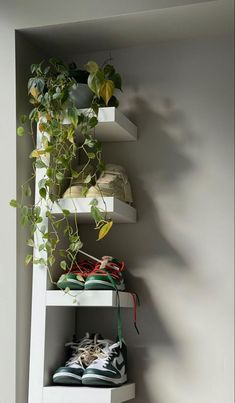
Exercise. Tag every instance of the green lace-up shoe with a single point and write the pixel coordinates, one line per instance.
(75, 278)
(106, 275)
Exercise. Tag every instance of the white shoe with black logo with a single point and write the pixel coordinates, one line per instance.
(110, 368)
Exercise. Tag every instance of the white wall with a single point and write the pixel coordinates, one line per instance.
(180, 252)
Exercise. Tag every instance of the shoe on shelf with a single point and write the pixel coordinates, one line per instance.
(75, 278)
(110, 367)
(113, 181)
(106, 275)
(72, 372)
(78, 184)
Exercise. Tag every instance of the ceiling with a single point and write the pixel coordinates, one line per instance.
(178, 19)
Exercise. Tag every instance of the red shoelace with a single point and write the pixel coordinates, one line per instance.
(83, 268)
(112, 268)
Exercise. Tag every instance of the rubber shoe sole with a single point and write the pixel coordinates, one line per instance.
(71, 284)
(102, 285)
(66, 378)
(99, 380)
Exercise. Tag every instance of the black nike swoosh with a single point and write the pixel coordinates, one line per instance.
(119, 366)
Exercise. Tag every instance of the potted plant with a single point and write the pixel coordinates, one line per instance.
(51, 93)
(95, 85)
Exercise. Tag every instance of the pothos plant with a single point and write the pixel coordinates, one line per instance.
(60, 146)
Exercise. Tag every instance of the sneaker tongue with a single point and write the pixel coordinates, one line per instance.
(106, 345)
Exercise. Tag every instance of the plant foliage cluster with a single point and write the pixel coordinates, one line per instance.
(63, 144)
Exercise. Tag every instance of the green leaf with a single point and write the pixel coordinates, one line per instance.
(41, 183)
(67, 290)
(62, 252)
(101, 165)
(94, 202)
(84, 191)
(30, 242)
(105, 229)
(91, 156)
(20, 131)
(49, 172)
(92, 67)
(28, 259)
(97, 215)
(75, 246)
(23, 119)
(89, 142)
(95, 82)
(59, 176)
(93, 122)
(27, 191)
(70, 135)
(66, 212)
(41, 247)
(116, 78)
(36, 153)
(95, 107)
(40, 164)
(80, 278)
(51, 260)
(73, 116)
(43, 192)
(106, 91)
(88, 179)
(74, 173)
(63, 265)
(109, 70)
(25, 210)
(14, 203)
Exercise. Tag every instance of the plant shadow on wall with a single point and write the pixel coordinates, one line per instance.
(156, 163)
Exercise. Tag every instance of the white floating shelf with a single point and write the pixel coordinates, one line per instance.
(81, 394)
(117, 210)
(113, 125)
(88, 298)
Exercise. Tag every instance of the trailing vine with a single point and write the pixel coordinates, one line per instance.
(67, 137)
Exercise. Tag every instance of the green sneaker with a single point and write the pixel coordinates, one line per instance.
(74, 279)
(106, 275)
(72, 372)
(110, 368)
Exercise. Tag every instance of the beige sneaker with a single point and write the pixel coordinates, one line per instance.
(77, 187)
(113, 182)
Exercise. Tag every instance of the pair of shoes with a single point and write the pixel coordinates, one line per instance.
(86, 275)
(113, 181)
(95, 362)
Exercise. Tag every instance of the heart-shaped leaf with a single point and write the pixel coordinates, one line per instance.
(106, 91)
(105, 229)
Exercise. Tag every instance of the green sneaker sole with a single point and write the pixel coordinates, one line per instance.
(102, 285)
(71, 284)
(98, 381)
(67, 379)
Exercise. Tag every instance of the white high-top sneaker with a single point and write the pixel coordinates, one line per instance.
(71, 373)
(110, 368)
